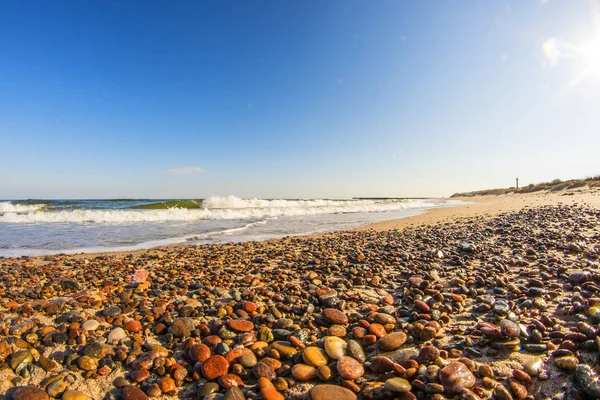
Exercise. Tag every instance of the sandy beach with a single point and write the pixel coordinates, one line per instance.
(488, 206)
(497, 298)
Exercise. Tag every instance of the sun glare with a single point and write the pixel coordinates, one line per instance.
(590, 56)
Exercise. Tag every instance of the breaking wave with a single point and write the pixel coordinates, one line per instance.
(213, 208)
(8, 207)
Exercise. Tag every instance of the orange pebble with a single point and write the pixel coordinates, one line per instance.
(271, 394)
(265, 383)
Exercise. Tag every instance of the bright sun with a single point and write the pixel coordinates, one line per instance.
(590, 56)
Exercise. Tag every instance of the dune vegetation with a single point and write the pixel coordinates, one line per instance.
(553, 186)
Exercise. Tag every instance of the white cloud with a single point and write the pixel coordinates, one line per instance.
(185, 170)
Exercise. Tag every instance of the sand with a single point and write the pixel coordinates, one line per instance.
(488, 206)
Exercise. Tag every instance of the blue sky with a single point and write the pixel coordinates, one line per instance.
(103, 99)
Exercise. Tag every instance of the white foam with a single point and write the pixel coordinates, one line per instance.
(8, 207)
(139, 246)
(219, 208)
(236, 202)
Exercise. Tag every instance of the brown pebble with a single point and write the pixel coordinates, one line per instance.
(335, 316)
(392, 341)
(214, 367)
(131, 392)
(349, 368)
(330, 392)
(29, 393)
(486, 371)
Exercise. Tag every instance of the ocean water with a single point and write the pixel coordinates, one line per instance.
(39, 227)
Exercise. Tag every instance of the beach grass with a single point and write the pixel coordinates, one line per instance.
(555, 185)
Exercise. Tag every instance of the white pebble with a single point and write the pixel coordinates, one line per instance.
(90, 325)
(116, 335)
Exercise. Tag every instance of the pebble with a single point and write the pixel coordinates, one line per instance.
(324, 373)
(5, 350)
(47, 364)
(133, 326)
(20, 360)
(139, 375)
(349, 368)
(74, 395)
(568, 363)
(199, 352)
(264, 370)
(384, 319)
(56, 386)
(392, 341)
(87, 363)
(271, 394)
(248, 360)
(518, 390)
(182, 327)
(356, 351)
(208, 388)
(303, 372)
(486, 371)
(133, 393)
(112, 311)
(234, 393)
(90, 325)
(214, 367)
(427, 354)
(167, 385)
(335, 347)
(509, 329)
(285, 349)
(330, 392)
(314, 356)
(399, 385)
(533, 366)
(335, 316)
(240, 325)
(456, 376)
(501, 393)
(116, 335)
(29, 393)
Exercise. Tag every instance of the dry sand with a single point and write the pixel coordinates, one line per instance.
(489, 206)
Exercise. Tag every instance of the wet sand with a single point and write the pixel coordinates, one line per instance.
(494, 299)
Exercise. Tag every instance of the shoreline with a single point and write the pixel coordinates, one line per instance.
(184, 244)
(492, 205)
(481, 206)
(336, 219)
(489, 291)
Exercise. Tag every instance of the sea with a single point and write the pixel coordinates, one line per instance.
(42, 227)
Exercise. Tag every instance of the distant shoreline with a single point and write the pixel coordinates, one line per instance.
(480, 206)
(557, 185)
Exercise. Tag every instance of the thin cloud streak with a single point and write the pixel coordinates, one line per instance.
(190, 170)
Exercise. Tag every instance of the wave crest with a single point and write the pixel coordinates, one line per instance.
(236, 202)
(8, 207)
(219, 208)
